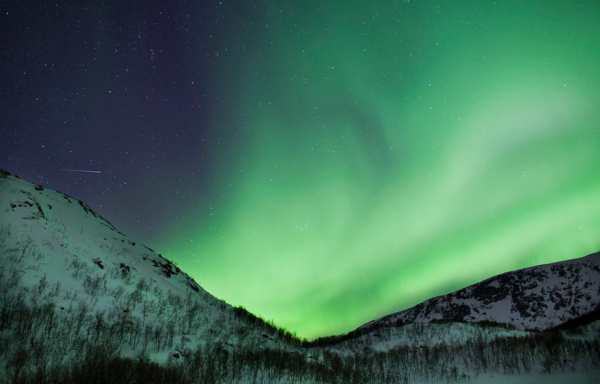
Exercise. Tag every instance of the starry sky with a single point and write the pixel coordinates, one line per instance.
(322, 163)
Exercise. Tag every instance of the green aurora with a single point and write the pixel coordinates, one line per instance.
(379, 153)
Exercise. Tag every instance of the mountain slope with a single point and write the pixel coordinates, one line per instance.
(57, 256)
(81, 302)
(537, 298)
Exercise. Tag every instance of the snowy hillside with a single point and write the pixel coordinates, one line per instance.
(81, 302)
(59, 256)
(537, 298)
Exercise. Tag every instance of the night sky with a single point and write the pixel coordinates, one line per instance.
(322, 163)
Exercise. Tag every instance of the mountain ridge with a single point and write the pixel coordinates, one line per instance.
(523, 293)
(535, 298)
(51, 241)
(79, 298)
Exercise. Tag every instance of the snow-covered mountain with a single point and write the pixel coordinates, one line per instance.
(45, 222)
(57, 254)
(536, 298)
(81, 302)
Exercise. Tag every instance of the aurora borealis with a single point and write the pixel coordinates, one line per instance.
(355, 158)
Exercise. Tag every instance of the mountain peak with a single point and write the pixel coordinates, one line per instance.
(536, 298)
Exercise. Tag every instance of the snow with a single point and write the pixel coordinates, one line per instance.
(49, 235)
(580, 377)
(535, 298)
(61, 252)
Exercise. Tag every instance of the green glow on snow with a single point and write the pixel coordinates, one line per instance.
(381, 153)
